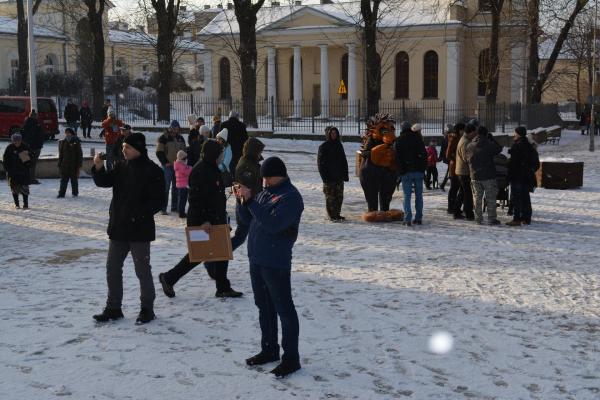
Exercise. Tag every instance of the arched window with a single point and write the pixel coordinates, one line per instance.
(430, 75)
(344, 73)
(120, 67)
(14, 65)
(484, 71)
(50, 63)
(224, 79)
(401, 88)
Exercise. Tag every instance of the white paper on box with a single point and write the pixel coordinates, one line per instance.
(199, 236)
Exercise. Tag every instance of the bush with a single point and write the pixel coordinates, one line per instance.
(54, 83)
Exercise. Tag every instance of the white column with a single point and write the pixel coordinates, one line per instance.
(208, 75)
(271, 82)
(453, 76)
(297, 82)
(518, 74)
(352, 84)
(324, 82)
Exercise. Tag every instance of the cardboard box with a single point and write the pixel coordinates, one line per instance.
(215, 246)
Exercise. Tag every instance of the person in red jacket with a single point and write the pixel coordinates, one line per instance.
(112, 132)
(432, 172)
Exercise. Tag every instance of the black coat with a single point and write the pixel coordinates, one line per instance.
(523, 163)
(33, 134)
(193, 151)
(86, 115)
(332, 161)
(480, 154)
(207, 201)
(17, 171)
(138, 193)
(70, 156)
(237, 136)
(411, 155)
(71, 113)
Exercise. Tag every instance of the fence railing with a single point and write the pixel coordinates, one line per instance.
(313, 116)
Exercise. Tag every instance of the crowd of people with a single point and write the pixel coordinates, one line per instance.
(268, 207)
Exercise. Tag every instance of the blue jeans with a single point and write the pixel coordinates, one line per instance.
(521, 201)
(412, 180)
(183, 196)
(273, 296)
(170, 184)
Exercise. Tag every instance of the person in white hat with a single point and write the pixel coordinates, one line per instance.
(227, 156)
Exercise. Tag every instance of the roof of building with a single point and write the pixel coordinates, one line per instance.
(8, 26)
(145, 39)
(402, 14)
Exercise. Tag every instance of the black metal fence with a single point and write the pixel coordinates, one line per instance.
(312, 116)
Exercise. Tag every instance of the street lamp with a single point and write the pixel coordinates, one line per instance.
(31, 47)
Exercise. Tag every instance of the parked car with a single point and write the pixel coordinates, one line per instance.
(14, 111)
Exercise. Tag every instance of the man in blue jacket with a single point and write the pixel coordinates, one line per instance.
(273, 217)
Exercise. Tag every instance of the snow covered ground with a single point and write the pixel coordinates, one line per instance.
(522, 304)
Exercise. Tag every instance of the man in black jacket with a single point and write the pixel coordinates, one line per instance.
(524, 162)
(33, 136)
(333, 168)
(411, 160)
(207, 206)
(138, 194)
(71, 115)
(237, 136)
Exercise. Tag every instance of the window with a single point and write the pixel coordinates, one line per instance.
(401, 87)
(12, 106)
(14, 68)
(120, 67)
(145, 72)
(224, 79)
(46, 106)
(430, 75)
(485, 5)
(344, 74)
(200, 72)
(484, 72)
(50, 63)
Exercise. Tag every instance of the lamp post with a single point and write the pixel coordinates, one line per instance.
(593, 111)
(31, 47)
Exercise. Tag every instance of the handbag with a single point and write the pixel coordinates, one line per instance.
(24, 156)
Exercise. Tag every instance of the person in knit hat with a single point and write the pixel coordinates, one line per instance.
(167, 146)
(138, 193)
(273, 217)
(207, 206)
(523, 163)
(227, 155)
(182, 174)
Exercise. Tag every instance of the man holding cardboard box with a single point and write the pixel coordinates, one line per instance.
(273, 217)
(207, 206)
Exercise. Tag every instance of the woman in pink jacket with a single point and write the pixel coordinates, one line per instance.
(182, 175)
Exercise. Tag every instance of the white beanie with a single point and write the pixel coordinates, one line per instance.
(181, 155)
(205, 131)
(416, 128)
(224, 134)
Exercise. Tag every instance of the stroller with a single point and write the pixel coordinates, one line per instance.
(503, 197)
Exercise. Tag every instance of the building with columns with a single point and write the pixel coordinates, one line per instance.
(427, 54)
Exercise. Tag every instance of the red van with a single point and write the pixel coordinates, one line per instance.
(14, 111)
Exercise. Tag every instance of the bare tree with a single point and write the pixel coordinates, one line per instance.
(245, 13)
(167, 15)
(536, 76)
(95, 13)
(578, 46)
(369, 10)
(23, 69)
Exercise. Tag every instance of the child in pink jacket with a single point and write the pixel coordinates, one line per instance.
(431, 179)
(182, 175)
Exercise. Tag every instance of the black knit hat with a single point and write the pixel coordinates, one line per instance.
(273, 166)
(211, 150)
(137, 141)
(521, 131)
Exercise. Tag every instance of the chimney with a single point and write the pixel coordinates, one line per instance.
(220, 6)
(230, 6)
(207, 6)
(275, 4)
(297, 3)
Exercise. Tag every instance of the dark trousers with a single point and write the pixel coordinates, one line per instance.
(35, 154)
(431, 177)
(445, 180)
(334, 197)
(378, 185)
(217, 270)
(273, 296)
(140, 253)
(455, 198)
(87, 129)
(64, 182)
(170, 184)
(467, 200)
(182, 200)
(521, 201)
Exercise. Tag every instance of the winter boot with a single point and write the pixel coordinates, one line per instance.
(25, 201)
(166, 286)
(109, 314)
(263, 358)
(146, 315)
(16, 199)
(228, 293)
(286, 368)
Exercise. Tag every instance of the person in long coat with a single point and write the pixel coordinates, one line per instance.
(17, 161)
(70, 160)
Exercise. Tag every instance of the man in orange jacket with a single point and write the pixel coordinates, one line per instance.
(112, 131)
